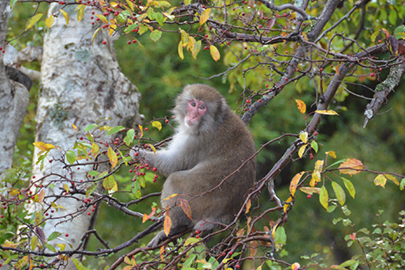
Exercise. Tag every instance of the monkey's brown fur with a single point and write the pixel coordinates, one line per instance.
(199, 158)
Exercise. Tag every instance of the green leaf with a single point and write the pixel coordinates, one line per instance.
(399, 29)
(314, 146)
(155, 35)
(141, 181)
(109, 182)
(393, 17)
(50, 247)
(402, 185)
(12, 2)
(32, 21)
(70, 156)
(151, 13)
(115, 130)
(323, 197)
(90, 127)
(160, 18)
(349, 186)
(339, 192)
(142, 29)
(130, 136)
(280, 237)
(54, 235)
(90, 190)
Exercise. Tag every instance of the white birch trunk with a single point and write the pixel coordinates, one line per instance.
(81, 83)
(13, 103)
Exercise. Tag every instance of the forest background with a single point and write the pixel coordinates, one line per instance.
(159, 74)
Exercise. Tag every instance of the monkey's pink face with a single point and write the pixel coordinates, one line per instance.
(195, 110)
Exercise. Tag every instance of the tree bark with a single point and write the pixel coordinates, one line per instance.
(13, 103)
(81, 84)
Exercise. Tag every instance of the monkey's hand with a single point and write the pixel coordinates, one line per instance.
(137, 154)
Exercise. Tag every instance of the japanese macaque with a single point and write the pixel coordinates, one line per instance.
(211, 144)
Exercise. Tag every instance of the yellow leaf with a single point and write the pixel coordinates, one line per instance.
(31, 22)
(327, 112)
(167, 224)
(323, 197)
(205, 16)
(66, 187)
(61, 246)
(102, 18)
(9, 244)
(191, 44)
(248, 205)
(14, 192)
(95, 149)
(157, 125)
(141, 129)
(295, 266)
(113, 157)
(302, 107)
(180, 50)
(152, 147)
(49, 21)
(273, 230)
(74, 127)
(184, 37)
(287, 204)
(301, 150)
(112, 28)
(64, 13)
(392, 178)
(304, 137)
(44, 146)
(310, 190)
(331, 153)
(80, 12)
(214, 53)
(131, 5)
(294, 183)
(351, 166)
(380, 180)
(95, 34)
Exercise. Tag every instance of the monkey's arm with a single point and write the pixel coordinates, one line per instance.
(165, 161)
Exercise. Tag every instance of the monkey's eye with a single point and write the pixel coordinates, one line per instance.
(193, 104)
(201, 107)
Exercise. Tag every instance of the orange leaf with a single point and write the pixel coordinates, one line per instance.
(294, 183)
(147, 217)
(351, 166)
(253, 248)
(186, 208)
(302, 107)
(240, 233)
(41, 195)
(170, 197)
(387, 35)
(295, 266)
(248, 205)
(167, 224)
